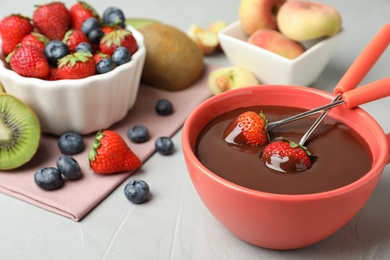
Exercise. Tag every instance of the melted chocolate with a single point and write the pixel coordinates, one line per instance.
(342, 155)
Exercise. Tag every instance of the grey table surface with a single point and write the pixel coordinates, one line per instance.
(175, 224)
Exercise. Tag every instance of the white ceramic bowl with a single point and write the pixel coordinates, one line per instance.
(82, 105)
(271, 68)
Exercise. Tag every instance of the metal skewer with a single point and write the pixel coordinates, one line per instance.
(272, 125)
(317, 122)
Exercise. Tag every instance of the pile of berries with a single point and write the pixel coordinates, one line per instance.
(61, 43)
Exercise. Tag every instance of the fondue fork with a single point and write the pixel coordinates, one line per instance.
(367, 93)
(346, 86)
(316, 123)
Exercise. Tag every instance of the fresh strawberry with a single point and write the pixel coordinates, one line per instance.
(248, 128)
(76, 66)
(110, 154)
(29, 61)
(73, 37)
(52, 19)
(12, 30)
(110, 28)
(99, 55)
(80, 12)
(286, 156)
(53, 74)
(116, 38)
(35, 39)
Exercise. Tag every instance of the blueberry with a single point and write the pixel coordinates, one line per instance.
(114, 15)
(69, 167)
(95, 35)
(164, 145)
(84, 47)
(48, 178)
(121, 55)
(137, 191)
(89, 24)
(71, 143)
(164, 107)
(55, 50)
(138, 134)
(105, 65)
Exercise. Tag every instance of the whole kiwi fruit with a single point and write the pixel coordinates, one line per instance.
(20, 132)
(173, 60)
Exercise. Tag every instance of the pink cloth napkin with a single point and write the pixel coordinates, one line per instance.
(76, 198)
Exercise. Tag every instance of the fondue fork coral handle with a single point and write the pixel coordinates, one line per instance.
(350, 80)
(377, 90)
(365, 61)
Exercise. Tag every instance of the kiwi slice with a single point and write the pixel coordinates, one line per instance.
(20, 132)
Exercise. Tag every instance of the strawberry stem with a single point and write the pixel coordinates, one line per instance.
(96, 143)
(73, 58)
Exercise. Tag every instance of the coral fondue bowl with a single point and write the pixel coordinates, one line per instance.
(275, 220)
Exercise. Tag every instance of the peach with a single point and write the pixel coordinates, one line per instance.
(258, 14)
(216, 26)
(277, 43)
(227, 78)
(304, 20)
(205, 39)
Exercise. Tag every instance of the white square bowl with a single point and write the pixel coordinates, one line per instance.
(271, 68)
(82, 105)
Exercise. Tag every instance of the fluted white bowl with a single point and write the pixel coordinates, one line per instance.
(83, 105)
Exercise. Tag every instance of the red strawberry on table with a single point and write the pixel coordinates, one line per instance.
(35, 39)
(12, 30)
(52, 19)
(122, 37)
(73, 37)
(29, 61)
(286, 156)
(248, 128)
(77, 65)
(80, 12)
(110, 154)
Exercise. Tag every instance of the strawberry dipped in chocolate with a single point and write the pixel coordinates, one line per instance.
(286, 156)
(248, 128)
